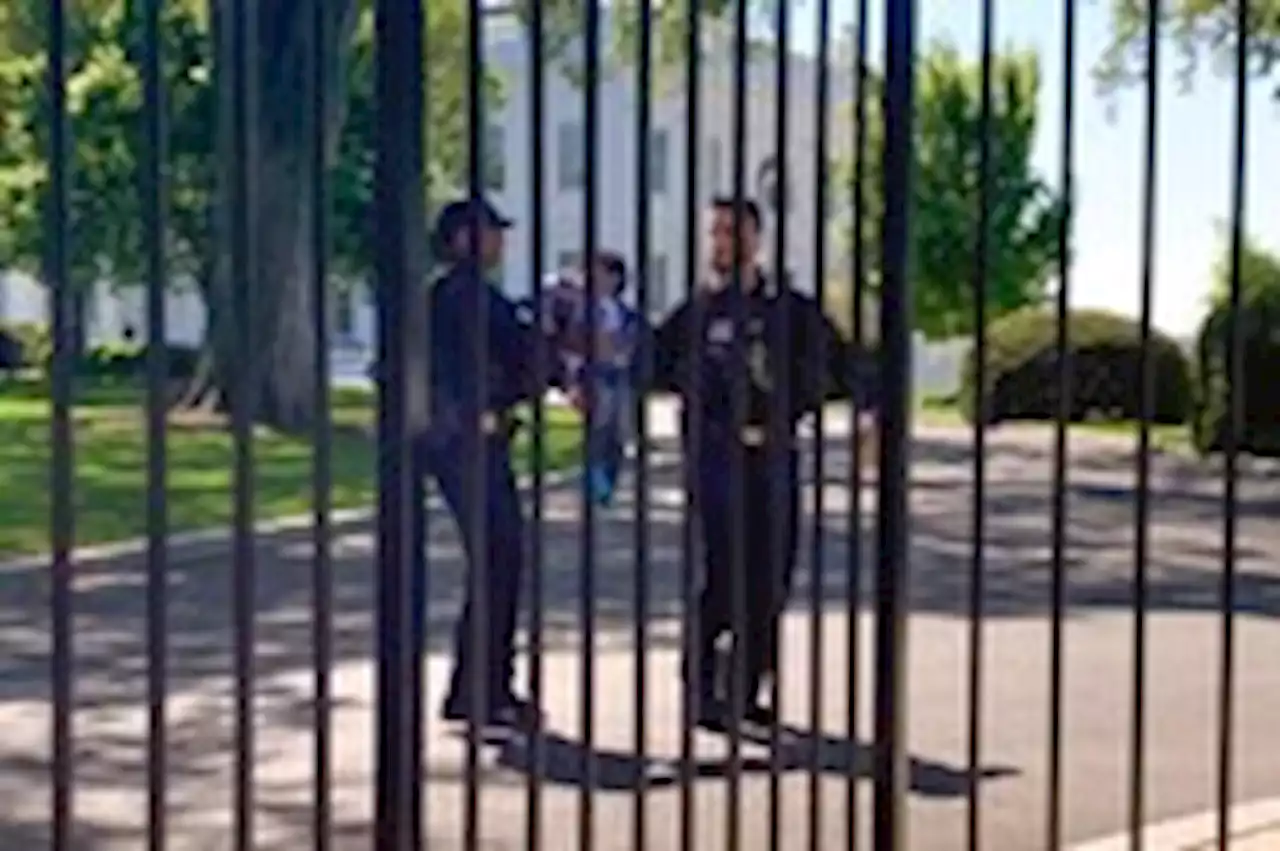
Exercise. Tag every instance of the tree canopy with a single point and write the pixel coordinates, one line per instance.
(105, 114)
(1024, 212)
(1202, 30)
(1259, 274)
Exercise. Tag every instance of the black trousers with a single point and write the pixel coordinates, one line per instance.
(749, 530)
(501, 559)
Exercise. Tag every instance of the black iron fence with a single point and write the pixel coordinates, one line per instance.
(279, 134)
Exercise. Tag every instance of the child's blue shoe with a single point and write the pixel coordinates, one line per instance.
(601, 486)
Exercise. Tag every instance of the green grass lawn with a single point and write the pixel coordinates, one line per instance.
(111, 461)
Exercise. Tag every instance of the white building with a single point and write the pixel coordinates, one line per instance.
(565, 155)
(114, 314)
(617, 198)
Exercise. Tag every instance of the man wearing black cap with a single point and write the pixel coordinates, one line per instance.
(472, 394)
(789, 358)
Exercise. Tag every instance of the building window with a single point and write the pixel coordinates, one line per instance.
(659, 162)
(571, 156)
(495, 164)
(568, 261)
(715, 166)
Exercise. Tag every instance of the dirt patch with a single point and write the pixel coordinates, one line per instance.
(198, 418)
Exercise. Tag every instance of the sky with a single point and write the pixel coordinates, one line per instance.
(1194, 156)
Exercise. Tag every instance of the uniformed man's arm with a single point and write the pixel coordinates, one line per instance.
(850, 370)
(861, 374)
(519, 348)
(659, 371)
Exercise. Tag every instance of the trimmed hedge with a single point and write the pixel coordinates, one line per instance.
(1260, 332)
(1105, 352)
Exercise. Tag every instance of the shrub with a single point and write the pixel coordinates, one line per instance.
(129, 362)
(1105, 359)
(24, 345)
(1260, 347)
(11, 355)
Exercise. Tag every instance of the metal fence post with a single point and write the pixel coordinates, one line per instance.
(895, 334)
(398, 244)
(56, 273)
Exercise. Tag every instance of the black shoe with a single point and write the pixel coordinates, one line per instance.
(509, 711)
(712, 715)
(760, 716)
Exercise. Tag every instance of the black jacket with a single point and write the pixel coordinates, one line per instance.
(788, 360)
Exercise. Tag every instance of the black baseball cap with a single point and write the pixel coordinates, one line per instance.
(457, 215)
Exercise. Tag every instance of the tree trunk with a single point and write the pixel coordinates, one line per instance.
(260, 329)
(80, 298)
(202, 392)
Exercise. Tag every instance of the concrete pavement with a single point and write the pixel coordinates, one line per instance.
(1183, 675)
(1253, 826)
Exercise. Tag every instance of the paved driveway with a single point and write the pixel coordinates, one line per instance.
(1183, 645)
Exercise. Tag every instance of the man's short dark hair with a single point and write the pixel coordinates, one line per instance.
(616, 266)
(746, 207)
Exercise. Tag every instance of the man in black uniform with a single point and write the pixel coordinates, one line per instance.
(749, 362)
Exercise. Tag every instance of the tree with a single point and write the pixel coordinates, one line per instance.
(1024, 212)
(447, 131)
(104, 101)
(1258, 330)
(1201, 29)
(105, 118)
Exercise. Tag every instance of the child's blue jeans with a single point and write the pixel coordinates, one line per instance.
(611, 391)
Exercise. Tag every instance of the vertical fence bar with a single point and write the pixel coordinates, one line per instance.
(155, 224)
(418, 381)
(738, 420)
(644, 125)
(858, 262)
(537, 520)
(321, 458)
(693, 431)
(817, 658)
(1235, 429)
(977, 566)
(398, 178)
(479, 468)
(1058, 565)
(1142, 499)
(781, 559)
(591, 172)
(56, 275)
(242, 250)
(892, 578)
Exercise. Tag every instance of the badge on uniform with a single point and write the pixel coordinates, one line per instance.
(758, 366)
(720, 331)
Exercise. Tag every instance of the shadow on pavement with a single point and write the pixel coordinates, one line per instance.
(557, 759)
(1185, 560)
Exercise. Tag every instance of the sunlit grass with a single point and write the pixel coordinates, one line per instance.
(110, 463)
